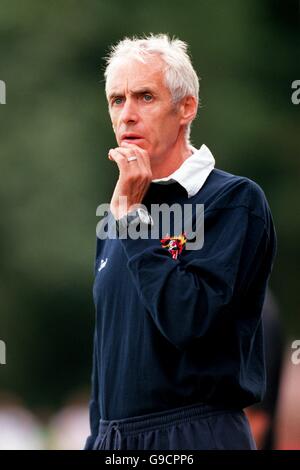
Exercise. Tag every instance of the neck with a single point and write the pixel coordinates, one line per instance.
(171, 160)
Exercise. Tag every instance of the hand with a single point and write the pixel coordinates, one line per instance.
(134, 178)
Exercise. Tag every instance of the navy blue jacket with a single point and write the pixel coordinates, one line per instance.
(174, 332)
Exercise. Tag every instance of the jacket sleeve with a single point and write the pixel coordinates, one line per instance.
(186, 296)
(94, 413)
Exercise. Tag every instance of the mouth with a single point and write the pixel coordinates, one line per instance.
(131, 138)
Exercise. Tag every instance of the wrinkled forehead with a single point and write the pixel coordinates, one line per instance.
(130, 72)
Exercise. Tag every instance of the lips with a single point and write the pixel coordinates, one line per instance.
(130, 137)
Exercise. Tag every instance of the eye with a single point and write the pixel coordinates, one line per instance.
(117, 100)
(147, 97)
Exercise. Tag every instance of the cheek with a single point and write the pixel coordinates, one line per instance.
(160, 128)
(113, 121)
(167, 130)
(113, 117)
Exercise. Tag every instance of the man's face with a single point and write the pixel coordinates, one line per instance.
(141, 107)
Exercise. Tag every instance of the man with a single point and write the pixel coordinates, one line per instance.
(178, 347)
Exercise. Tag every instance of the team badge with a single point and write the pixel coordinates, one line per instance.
(174, 245)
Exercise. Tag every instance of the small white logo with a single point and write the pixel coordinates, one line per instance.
(296, 354)
(296, 93)
(2, 92)
(102, 264)
(2, 352)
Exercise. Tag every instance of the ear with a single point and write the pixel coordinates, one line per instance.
(188, 109)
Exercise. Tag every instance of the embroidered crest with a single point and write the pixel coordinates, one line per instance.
(174, 245)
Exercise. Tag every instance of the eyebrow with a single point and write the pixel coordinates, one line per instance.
(137, 91)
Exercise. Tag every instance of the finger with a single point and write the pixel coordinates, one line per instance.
(130, 150)
(118, 158)
(127, 167)
(127, 153)
(138, 150)
(144, 160)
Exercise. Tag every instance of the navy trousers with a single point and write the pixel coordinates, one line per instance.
(196, 427)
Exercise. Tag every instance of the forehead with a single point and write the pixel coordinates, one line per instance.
(130, 74)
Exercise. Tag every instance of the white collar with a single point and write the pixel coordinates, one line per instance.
(193, 172)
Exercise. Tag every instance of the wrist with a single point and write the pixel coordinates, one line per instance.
(137, 214)
(120, 212)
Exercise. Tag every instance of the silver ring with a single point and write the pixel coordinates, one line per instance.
(131, 159)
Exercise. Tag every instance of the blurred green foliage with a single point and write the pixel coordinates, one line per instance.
(55, 134)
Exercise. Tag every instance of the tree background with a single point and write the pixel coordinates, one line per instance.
(54, 136)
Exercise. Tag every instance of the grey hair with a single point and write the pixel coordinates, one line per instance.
(180, 76)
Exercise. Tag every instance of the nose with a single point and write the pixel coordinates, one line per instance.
(129, 112)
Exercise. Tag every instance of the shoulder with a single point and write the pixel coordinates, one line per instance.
(229, 191)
